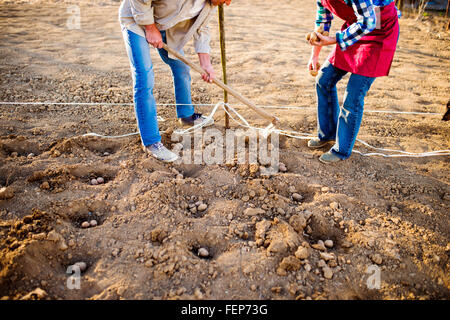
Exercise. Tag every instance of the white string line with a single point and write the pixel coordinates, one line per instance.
(93, 134)
(204, 105)
(308, 136)
(292, 134)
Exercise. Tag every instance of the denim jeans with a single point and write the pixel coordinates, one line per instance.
(340, 123)
(138, 51)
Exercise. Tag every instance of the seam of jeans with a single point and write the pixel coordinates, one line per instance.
(147, 140)
(353, 119)
(329, 100)
(359, 97)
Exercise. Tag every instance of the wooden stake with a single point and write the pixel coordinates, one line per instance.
(223, 56)
(446, 10)
(446, 14)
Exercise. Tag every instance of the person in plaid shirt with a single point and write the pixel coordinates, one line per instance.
(366, 20)
(365, 47)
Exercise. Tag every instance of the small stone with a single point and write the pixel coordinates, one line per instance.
(297, 197)
(230, 216)
(100, 180)
(329, 243)
(327, 272)
(45, 185)
(307, 267)
(327, 256)
(253, 168)
(30, 155)
(14, 154)
(94, 182)
(302, 253)
(290, 264)
(281, 272)
(245, 198)
(334, 205)
(179, 176)
(37, 293)
(319, 246)
(276, 289)
(93, 223)
(203, 252)
(298, 222)
(54, 236)
(63, 246)
(202, 207)
(332, 263)
(376, 258)
(115, 252)
(321, 263)
(253, 211)
(85, 224)
(277, 246)
(82, 265)
(282, 167)
(6, 193)
(40, 236)
(198, 294)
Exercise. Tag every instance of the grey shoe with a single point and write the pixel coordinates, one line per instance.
(316, 143)
(160, 152)
(329, 157)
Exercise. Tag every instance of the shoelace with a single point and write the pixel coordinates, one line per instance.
(157, 146)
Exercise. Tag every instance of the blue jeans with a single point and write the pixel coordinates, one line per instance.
(340, 123)
(138, 51)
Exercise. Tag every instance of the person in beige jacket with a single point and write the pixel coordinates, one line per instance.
(148, 23)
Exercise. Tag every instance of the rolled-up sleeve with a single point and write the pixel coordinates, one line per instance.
(142, 11)
(323, 16)
(202, 40)
(366, 23)
(202, 37)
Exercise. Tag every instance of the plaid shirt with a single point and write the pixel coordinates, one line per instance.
(365, 13)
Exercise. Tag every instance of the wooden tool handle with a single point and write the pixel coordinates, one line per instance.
(222, 85)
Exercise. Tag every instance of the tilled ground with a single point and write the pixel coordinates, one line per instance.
(265, 237)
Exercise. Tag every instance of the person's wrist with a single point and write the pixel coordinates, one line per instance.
(150, 27)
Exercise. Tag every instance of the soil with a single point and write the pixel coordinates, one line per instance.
(391, 213)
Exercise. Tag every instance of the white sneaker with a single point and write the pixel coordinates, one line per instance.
(195, 119)
(160, 152)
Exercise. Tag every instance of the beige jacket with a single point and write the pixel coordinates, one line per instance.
(169, 15)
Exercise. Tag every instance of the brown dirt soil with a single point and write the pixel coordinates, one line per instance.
(388, 211)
